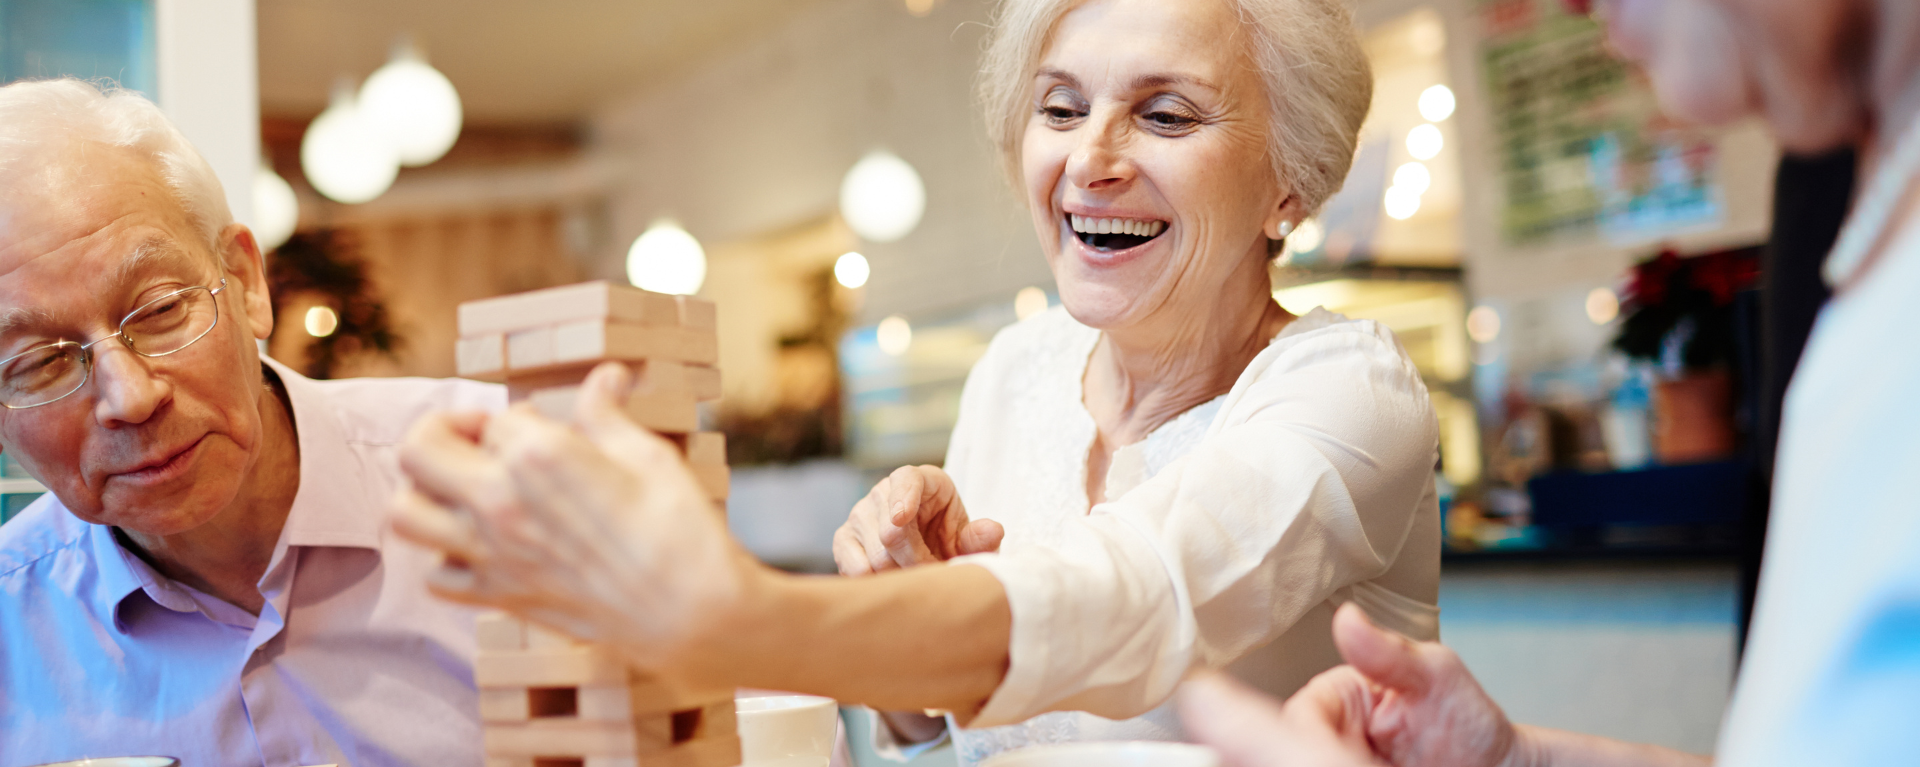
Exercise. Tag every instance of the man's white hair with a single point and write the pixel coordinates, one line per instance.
(1319, 84)
(39, 118)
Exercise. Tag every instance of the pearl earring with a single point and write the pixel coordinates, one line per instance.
(1286, 228)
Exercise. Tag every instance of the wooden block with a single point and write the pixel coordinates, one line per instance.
(714, 478)
(605, 702)
(504, 704)
(541, 638)
(610, 761)
(675, 413)
(481, 356)
(599, 340)
(499, 632)
(530, 348)
(553, 306)
(649, 376)
(653, 695)
(699, 347)
(571, 667)
(723, 720)
(560, 737)
(697, 313)
(705, 447)
(509, 761)
(712, 752)
(705, 380)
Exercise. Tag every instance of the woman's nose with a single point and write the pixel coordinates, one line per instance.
(1099, 161)
(125, 388)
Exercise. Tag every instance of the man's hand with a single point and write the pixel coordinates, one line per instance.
(1430, 711)
(913, 517)
(1322, 725)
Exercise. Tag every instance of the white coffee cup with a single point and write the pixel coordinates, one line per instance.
(1120, 754)
(787, 730)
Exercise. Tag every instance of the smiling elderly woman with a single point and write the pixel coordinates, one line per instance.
(1182, 472)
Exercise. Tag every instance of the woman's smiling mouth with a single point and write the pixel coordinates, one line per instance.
(1114, 234)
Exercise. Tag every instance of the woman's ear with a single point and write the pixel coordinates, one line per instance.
(1284, 218)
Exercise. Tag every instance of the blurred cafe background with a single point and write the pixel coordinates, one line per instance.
(1576, 276)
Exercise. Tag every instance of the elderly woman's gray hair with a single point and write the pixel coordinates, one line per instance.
(1319, 84)
(39, 119)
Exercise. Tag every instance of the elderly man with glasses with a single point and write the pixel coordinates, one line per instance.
(209, 576)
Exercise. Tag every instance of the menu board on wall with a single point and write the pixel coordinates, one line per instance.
(1580, 143)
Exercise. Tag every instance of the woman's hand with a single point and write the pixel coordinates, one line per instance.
(597, 530)
(913, 517)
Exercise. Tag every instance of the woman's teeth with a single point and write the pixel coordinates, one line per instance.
(1131, 226)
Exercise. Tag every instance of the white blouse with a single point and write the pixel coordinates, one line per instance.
(1228, 536)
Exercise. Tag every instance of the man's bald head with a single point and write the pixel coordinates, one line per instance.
(46, 124)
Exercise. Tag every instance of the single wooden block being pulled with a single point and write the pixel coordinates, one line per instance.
(568, 303)
(659, 412)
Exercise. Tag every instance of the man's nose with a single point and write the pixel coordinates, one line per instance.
(1099, 161)
(125, 389)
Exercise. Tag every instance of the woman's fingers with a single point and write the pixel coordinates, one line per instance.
(981, 536)
(849, 555)
(903, 508)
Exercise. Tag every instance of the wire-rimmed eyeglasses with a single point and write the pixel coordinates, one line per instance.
(50, 372)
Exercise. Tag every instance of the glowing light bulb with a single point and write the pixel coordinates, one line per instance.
(322, 321)
(882, 197)
(1436, 103)
(1401, 203)
(413, 105)
(666, 259)
(1414, 176)
(851, 270)
(344, 156)
(1483, 324)
(1424, 141)
(276, 211)
(1029, 301)
(1602, 306)
(894, 335)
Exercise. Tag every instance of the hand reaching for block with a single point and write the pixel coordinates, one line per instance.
(597, 528)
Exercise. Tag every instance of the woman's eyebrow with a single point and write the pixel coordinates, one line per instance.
(1147, 82)
(1058, 74)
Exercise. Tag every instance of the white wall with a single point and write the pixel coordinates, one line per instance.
(208, 75)
(757, 138)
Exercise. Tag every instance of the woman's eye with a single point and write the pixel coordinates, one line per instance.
(1060, 113)
(1165, 119)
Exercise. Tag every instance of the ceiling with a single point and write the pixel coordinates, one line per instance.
(512, 61)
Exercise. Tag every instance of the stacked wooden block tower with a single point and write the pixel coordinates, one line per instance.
(546, 699)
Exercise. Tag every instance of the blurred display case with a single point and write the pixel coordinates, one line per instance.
(16, 488)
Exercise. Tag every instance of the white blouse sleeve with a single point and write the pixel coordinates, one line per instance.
(1307, 483)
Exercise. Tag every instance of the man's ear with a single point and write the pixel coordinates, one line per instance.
(240, 257)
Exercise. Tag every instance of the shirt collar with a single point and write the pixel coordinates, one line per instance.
(334, 506)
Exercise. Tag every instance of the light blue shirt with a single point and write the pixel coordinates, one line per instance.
(1832, 675)
(350, 662)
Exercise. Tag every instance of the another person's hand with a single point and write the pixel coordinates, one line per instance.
(599, 530)
(913, 517)
(1399, 702)
(1430, 711)
(1322, 725)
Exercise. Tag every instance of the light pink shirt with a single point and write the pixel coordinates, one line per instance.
(350, 662)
